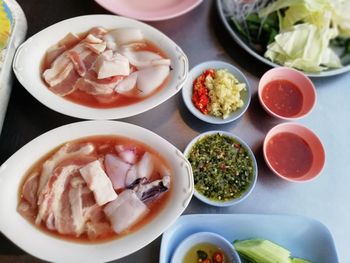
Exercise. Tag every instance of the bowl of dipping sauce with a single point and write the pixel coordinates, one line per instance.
(294, 152)
(224, 168)
(205, 247)
(286, 93)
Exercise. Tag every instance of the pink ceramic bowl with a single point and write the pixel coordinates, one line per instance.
(312, 141)
(300, 80)
(147, 10)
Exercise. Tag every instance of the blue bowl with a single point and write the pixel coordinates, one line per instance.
(196, 72)
(205, 237)
(254, 163)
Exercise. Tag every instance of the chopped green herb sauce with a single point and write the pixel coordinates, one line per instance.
(222, 167)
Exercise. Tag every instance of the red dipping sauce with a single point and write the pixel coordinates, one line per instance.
(289, 154)
(283, 97)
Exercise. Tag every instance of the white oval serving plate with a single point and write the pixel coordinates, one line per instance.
(50, 248)
(29, 56)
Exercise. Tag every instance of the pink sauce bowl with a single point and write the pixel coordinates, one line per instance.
(300, 80)
(310, 138)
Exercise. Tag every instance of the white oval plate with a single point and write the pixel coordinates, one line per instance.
(240, 41)
(29, 56)
(50, 248)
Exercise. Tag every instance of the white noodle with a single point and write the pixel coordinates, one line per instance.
(239, 9)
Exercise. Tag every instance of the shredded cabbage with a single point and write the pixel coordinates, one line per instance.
(224, 93)
(306, 29)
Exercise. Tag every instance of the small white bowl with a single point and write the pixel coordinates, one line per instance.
(205, 237)
(254, 163)
(196, 72)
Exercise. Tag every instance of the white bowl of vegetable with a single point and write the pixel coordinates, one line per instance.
(216, 92)
(224, 168)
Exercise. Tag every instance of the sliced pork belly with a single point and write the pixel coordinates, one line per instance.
(76, 204)
(54, 52)
(98, 31)
(98, 182)
(125, 211)
(122, 36)
(70, 40)
(127, 154)
(58, 69)
(143, 169)
(77, 62)
(30, 189)
(109, 64)
(28, 206)
(50, 206)
(96, 48)
(67, 42)
(64, 221)
(90, 84)
(116, 170)
(67, 151)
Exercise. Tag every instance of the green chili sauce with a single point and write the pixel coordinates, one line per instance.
(222, 167)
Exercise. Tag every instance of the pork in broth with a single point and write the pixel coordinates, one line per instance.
(95, 188)
(105, 68)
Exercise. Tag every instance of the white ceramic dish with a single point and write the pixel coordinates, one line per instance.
(303, 237)
(254, 163)
(30, 54)
(196, 72)
(19, 29)
(205, 237)
(240, 41)
(50, 248)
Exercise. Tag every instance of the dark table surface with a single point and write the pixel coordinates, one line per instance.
(202, 37)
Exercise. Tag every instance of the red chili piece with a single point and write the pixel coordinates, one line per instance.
(200, 97)
(218, 257)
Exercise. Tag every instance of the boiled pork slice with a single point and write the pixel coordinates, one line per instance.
(28, 205)
(109, 64)
(150, 78)
(142, 169)
(122, 36)
(116, 170)
(127, 85)
(143, 82)
(125, 211)
(144, 58)
(98, 182)
(126, 153)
